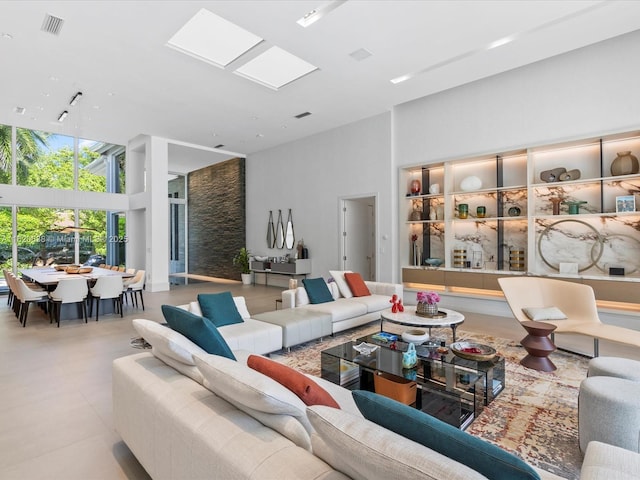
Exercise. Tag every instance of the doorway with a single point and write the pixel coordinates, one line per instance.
(358, 234)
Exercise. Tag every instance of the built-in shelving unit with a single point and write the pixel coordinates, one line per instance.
(511, 226)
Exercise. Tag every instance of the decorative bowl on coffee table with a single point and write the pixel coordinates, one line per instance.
(473, 351)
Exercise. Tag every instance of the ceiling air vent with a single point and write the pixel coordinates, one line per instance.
(302, 115)
(52, 24)
(220, 145)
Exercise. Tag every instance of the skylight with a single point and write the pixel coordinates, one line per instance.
(275, 68)
(213, 39)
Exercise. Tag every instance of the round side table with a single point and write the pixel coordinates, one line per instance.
(538, 346)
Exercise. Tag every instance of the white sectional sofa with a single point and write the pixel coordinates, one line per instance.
(178, 428)
(346, 312)
(252, 335)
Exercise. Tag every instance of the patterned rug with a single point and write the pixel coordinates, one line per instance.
(535, 416)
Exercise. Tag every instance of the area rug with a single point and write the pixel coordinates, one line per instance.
(535, 416)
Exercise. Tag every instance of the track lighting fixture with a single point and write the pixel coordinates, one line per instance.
(75, 98)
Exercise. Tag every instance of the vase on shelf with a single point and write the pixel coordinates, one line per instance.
(556, 204)
(625, 164)
(415, 187)
(426, 309)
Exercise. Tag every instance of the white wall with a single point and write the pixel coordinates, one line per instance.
(590, 91)
(309, 176)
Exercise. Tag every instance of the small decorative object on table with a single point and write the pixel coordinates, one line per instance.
(396, 304)
(410, 357)
(555, 201)
(427, 304)
(473, 351)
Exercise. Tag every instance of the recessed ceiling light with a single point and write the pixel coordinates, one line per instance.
(96, 107)
(316, 14)
(45, 94)
(53, 78)
(20, 110)
(75, 99)
(259, 135)
(111, 94)
(212, 39)
(275, 68)
(62, 116)
(7, 36)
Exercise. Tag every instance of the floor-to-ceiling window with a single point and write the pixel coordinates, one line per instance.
(53, 233)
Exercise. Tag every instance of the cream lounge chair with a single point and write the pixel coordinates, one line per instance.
(575, 300)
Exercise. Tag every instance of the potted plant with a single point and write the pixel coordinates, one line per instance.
(242, 260)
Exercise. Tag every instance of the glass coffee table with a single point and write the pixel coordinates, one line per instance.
(452, 389)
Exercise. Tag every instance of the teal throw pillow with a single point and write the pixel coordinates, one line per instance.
(219, 308)
(197, 329)
(317, 290)
(483, 457)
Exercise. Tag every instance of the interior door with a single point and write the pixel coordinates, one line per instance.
(359, 236)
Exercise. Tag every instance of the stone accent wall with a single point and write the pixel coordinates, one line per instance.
(216, 218)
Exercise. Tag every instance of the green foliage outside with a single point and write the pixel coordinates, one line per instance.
(37, 166)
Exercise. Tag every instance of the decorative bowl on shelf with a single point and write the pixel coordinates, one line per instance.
(434, 262)
(260, 259)
(473, 351)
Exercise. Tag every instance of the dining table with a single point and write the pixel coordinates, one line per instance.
(48, 278)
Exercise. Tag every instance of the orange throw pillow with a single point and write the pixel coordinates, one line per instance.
(357, 285)
(309, 391)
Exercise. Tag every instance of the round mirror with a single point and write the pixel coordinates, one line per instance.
(289, 236)
(271, 232)
(279, 231)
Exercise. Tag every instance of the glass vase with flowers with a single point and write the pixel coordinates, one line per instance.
(427, 304)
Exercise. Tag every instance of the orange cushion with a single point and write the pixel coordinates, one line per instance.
(309, 391)
(357, 285)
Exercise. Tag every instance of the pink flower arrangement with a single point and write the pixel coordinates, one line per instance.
(428, 297)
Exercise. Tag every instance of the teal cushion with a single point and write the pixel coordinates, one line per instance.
(317, 290)
(483, 457)
(219, 308)
(197, 329)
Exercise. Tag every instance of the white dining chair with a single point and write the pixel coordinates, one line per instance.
(134, 286)
(26, 297)
(69, 290)
(108, 286)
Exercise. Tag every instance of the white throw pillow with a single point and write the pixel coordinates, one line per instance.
(302, 298)
(241, 385)
(167, 341)
(171, 347)
(338, 277)
(544, 313)
(194, 307)
(241, 305)
(363, 450)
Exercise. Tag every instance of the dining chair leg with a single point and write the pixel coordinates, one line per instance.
(84, 310)
(120, 302)
(97, 307)
(58, 308)
(23, 313)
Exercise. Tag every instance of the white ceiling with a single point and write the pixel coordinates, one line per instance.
(115, 53)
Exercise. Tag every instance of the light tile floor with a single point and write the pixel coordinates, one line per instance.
(55, 403)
